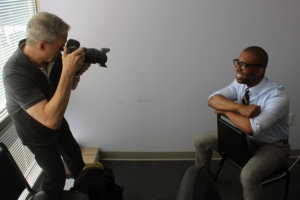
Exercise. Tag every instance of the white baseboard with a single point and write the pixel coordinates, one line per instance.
(161, 156)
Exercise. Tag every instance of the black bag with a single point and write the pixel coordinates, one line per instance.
(99, 184)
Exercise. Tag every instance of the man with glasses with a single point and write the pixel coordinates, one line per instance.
(259, 108)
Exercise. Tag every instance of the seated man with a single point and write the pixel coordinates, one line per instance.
(259, 108)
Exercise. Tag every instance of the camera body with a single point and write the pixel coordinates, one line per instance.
(91, 55)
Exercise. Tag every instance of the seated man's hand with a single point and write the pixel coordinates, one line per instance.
(250, 111)
(219, 112)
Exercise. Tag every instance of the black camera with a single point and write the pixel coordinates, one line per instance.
(91, 55)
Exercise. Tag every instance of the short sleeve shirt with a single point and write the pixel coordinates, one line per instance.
(25, 85)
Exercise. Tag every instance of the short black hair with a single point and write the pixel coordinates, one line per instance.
(262, 55)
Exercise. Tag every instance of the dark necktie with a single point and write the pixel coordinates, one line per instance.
(245, 99)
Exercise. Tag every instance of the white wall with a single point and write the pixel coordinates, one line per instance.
(166, 57)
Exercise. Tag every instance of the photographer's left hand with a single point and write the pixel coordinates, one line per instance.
(84, 67)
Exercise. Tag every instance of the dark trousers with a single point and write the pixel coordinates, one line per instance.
(49, 157)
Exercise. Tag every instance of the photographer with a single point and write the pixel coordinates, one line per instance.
(38, 81)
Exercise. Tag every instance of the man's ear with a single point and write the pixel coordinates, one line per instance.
(261, 71)
(42, 45)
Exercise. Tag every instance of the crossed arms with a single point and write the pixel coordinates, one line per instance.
(238, 113)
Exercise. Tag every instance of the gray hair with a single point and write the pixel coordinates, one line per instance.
(45, 26)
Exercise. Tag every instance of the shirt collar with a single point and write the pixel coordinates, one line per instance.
(48, 70)
(254, 90)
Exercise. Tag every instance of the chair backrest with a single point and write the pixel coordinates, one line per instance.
(232, 142)
(198, 184)
(12, 181)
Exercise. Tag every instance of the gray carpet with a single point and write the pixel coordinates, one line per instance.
(160, 180)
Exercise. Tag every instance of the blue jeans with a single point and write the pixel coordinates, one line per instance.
(267, 158)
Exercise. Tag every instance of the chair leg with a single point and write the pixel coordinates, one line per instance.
(220, 167)
(287, 185)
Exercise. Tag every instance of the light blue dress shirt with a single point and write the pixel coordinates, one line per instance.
(271, 124)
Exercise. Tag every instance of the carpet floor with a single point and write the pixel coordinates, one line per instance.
(160, 180)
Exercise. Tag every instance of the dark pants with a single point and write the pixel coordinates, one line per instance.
(48, 157)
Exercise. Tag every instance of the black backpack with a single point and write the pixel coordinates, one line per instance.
(99, 184)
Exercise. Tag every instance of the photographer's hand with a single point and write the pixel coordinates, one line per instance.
(83, 68)
(73, 62)
(78, 74)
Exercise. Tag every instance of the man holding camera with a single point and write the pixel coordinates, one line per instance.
(259, 108)
(38, 81)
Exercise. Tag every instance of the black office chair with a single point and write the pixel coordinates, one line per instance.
(13, 183)
(239, 153)
(198, 184)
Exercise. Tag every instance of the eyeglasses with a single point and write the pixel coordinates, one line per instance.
(243, 65)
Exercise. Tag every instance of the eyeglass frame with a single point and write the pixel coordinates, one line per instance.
(243, 65)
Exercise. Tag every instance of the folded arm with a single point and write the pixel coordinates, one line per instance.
(238, 113)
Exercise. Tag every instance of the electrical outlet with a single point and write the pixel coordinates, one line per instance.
(291, 118)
